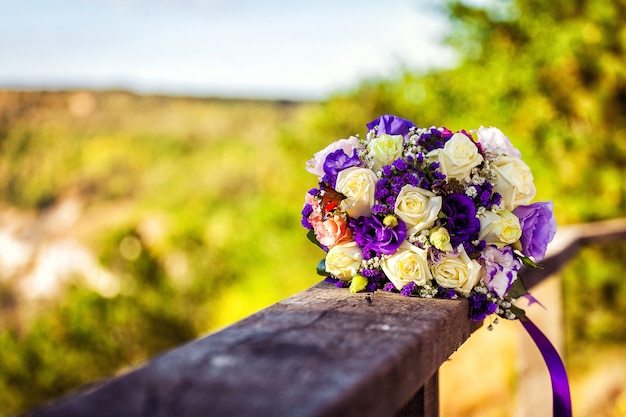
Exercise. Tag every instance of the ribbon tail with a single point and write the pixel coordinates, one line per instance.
(561, 400)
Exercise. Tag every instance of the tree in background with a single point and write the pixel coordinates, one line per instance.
(552, 76)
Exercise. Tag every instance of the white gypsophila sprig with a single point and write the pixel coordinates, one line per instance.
(471, 192)
(421, 239)
(411, 147)
(373, 263)
(371, 134)
(504, 306)
(427, 291)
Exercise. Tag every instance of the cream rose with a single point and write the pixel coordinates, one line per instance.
(384, 149)
(417, 207)
(408, 264)
(344, 260)
(458, 156)
(457, 271)
(499, 228)
(358, 185)
(514, 182)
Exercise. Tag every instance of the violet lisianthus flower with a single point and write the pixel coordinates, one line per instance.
(316, 164)
(492, 139)
(538, 228)
(461, 223)
(336, 162)
(391, 125)
(501, 268)
(372, 235)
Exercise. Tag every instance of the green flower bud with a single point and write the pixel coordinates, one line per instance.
(440, 238)
(359, 282)
(390, 221)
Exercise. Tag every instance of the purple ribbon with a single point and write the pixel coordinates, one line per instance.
(561, 401)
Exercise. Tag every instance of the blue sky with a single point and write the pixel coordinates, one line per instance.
(274, 49)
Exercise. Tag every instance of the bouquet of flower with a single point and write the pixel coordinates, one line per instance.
(429, 213)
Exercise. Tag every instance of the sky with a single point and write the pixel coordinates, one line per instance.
(297, 49)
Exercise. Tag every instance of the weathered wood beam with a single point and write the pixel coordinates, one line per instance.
(322, 352)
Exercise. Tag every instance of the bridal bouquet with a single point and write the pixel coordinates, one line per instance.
(429, 213)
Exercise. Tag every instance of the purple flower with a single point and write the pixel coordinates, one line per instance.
(372, 235)
(538, 228)
(501, 268)
(391, 125)
(447, 293)
(481, 307)
(461, 223)
(434, 138)
(338, 161)
(306, 212)
(408, 289)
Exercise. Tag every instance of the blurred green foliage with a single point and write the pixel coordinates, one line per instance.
(195, 203)
(552, 76)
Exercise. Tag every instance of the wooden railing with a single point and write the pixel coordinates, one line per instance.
(322, 352)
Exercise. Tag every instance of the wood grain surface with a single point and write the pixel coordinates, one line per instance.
(322, 352)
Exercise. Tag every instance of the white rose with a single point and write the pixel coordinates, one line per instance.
(417, 207)
(457, 271)
(458, 156)
(344, 260)
(514, 182)
(408, 264)
(495, 141)
(384, 149)
(499, 228)
(358, 185)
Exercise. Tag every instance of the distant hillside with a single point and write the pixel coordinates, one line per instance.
(40, 106)
(129, 224)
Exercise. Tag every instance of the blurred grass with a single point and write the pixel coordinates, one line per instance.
(193, 204)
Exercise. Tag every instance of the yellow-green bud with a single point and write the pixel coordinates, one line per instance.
(390, 221)
(440, 238)
(359, 282)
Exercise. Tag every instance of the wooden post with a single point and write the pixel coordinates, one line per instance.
(425, 403)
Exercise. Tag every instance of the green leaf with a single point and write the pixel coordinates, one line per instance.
(321, 268)
(312, 238)
(530, 263)
(358, 284)
(517, 290)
